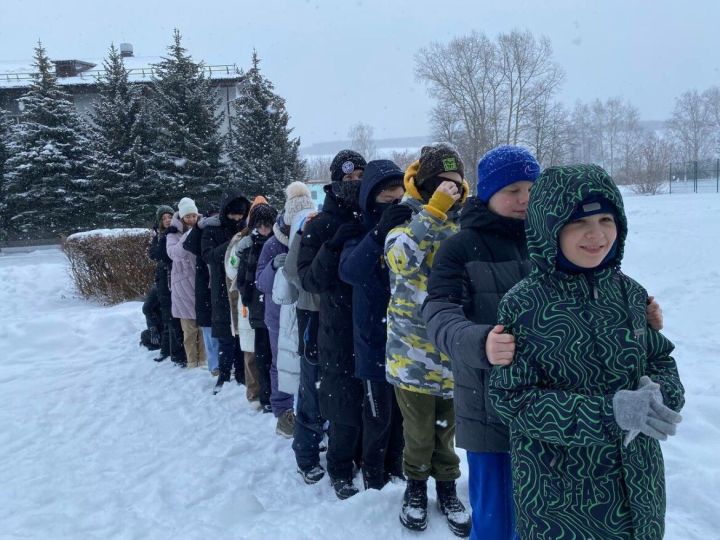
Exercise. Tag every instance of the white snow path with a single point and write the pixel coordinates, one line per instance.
(98, 441)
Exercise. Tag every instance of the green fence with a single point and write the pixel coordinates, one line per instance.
(702, 176)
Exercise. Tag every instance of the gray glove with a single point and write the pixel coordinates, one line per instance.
(211, 221)
(279, 260)
(639, 410)
(657, 395)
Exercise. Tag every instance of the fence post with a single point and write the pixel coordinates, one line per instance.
(695, 175)
(670, 179)
(717, 175)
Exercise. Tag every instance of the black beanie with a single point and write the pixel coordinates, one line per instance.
(345, 162)
(438, 159)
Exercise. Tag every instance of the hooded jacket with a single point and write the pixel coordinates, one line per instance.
(216, 237)
(182, 275)
(579, 339)
(413, 362)
(362, 265)
(473, 270)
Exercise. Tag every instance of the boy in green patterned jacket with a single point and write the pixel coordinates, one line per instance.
(593, 388)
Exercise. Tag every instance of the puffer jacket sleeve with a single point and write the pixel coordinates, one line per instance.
(241, 282)
(661, 368)
(358, 260)
(404, 249)
(290, 268)
(192, 241)
(265, 273)
(553, 416)
(283, 292)
(175, 249)
(213, 251)
(317, 265)
(447, 326)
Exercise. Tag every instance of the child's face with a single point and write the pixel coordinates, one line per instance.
(264, 229)
(166, 220)
(587, 241)
(512, 200)
(190, 220)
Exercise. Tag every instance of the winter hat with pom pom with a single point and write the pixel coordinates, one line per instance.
(297, 199)
(187, 206)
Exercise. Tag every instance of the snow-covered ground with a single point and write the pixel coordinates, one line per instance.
(99, 441)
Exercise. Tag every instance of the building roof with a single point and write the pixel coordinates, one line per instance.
(140, 69)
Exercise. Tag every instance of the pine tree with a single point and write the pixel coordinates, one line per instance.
(263, 156)
(47, 191)
(187, 159)
(121, 140)
(4, 155)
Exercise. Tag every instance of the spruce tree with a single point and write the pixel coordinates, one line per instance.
(4, 154)
(47, 192)
(263, 156)
(125, 195)
(187, 158)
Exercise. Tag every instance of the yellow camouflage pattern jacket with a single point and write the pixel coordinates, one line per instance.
(413, 363)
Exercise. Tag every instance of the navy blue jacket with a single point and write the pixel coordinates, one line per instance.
(362, 265)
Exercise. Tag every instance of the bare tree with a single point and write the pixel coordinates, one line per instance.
(362, 140)
(404, 158)
(489, 93)
(464, 78)
(691, 125)
(318, 168)
(548, 132)
(655, 155)
(529, 76)
(711, 97)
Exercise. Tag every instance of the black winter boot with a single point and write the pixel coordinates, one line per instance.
(454, 510)
(413, 513)
(344, 488)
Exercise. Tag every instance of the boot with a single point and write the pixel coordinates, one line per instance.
(413, 513)
(286, 424)
(312, 475)
(454, 510)
(374, 479)
(344, 488)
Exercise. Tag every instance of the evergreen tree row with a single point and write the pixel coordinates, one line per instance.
(141, 146)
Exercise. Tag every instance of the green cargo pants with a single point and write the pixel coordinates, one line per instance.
(429, 431)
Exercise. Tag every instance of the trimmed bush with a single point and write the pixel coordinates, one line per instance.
(111, 265)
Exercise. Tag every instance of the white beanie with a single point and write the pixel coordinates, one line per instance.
(187, 206)
(297, 199)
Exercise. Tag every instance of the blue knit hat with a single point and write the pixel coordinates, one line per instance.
(503, 166)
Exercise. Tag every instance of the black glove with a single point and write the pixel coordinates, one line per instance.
(171, 229)
(345, 232)
(395, 215)
(154, 336)
(279, 260)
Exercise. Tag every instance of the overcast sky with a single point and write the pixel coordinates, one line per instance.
(339, 62)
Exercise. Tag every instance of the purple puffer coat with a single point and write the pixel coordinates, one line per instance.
(182, 277)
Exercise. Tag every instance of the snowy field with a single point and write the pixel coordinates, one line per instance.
(98, 441)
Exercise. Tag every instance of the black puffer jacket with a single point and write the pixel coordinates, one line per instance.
(472, 271)
(340, 392)
(158, 253)
(203, 301)
(250, 296)
(215, 240)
